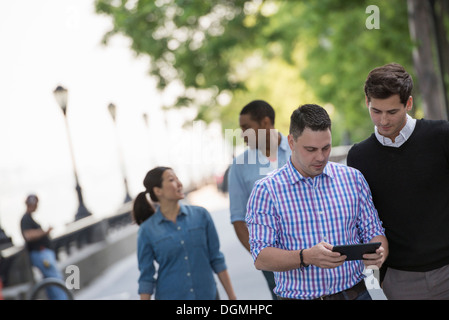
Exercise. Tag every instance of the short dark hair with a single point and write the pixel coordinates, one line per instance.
(258, 110)
(388, 80)
(31, 199)
(310, 116)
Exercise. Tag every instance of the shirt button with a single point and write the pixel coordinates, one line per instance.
(188, 274)
(191, 290)
(179, 228)
(182, 241)
(186, 257)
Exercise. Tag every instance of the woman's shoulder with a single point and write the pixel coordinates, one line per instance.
(193, 209)
(196, 213)
(149, 223)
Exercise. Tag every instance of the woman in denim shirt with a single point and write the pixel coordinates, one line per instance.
(180, 239)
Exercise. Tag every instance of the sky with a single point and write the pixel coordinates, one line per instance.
(48, 43)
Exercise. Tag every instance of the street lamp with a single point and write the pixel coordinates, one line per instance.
(145, 119)
(113, 111)
(61, 95)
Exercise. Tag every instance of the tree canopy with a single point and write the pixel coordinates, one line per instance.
(225, 53)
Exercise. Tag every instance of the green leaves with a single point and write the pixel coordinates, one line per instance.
(286, 52)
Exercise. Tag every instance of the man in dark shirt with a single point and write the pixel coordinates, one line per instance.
(406, 164)
(39, 247)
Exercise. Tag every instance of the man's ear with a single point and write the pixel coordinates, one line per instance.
(266, 123)
(366, 101)
(291, 141)
(409, 104)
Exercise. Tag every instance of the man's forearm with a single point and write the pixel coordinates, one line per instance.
(34, 234)
(275, 259)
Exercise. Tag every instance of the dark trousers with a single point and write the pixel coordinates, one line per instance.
(269, 276)
(409, 285)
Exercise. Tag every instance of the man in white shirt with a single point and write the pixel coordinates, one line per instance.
(406, 164)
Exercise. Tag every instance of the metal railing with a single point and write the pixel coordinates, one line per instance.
(90, 230)
(16, 272)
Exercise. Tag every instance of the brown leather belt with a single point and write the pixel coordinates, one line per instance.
(348, 294)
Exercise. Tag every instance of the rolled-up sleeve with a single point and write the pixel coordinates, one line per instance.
(260, 218)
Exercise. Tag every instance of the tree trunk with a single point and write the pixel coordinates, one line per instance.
(422, 33)
(440, 12)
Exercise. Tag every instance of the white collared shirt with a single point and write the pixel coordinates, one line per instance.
(404, 134)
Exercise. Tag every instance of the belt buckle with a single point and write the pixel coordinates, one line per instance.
(351, 294)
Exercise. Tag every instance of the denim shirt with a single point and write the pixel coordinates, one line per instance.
(187, 254)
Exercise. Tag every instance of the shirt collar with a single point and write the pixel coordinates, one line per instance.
(160, 217)
(283, 145)
(284, 142)
(295, 176)
(404, 134)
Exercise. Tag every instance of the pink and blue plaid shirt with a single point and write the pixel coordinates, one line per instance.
(291, 212)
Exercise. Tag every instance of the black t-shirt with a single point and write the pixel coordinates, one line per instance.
(27, 223)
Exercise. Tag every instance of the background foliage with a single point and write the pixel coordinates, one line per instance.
(225, 53)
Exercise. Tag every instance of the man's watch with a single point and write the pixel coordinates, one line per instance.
(301, 259)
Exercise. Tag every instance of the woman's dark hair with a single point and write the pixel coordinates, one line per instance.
(310, 116)
(388, 80)
(154, 179)
(142, 208)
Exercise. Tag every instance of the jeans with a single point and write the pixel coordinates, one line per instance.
(45, 261)
(364, 296)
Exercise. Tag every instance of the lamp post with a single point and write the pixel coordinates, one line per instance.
(61, 95)
(145, 119)
(113, 111)
(151, 157)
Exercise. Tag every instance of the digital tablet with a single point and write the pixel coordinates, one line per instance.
(356, 251)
